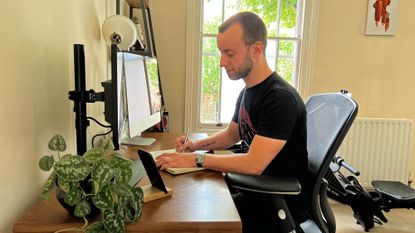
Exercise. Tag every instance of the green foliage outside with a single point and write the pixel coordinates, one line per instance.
(267, 10)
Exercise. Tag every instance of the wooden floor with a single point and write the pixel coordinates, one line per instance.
(399, 221)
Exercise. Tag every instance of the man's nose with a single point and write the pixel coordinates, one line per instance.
(222, 61)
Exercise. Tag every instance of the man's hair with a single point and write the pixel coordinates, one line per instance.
(253, 27)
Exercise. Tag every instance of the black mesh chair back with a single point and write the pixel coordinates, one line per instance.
(329, 117)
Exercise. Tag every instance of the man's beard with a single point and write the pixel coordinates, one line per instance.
(244, 70)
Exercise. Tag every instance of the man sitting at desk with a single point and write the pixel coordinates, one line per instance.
(270, 119)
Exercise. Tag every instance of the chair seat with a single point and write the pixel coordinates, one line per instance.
(265, 184)
(395, 190)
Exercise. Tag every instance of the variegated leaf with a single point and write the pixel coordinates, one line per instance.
(113, 222)
(96, 227)
(57, 143)
(96, 187)
(73, 197)
(67, 185)
(121, 189)
(82, 209)
(107, 144)
(104, 199)
(72, 168)
(118, 161)
(124, 174)
(102, 172)
(94, 155)
(50, 182)
(136, 204)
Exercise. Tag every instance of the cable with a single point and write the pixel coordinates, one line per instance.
(97, 135)
(99, 123)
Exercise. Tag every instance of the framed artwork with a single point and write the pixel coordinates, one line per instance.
(382, 17)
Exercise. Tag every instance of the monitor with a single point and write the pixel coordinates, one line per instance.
(139, 97)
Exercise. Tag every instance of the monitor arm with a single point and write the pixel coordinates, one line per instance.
(81, 96)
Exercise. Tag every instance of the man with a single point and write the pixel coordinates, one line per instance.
(270, 119)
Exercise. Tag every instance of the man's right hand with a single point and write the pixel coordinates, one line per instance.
(183, 145)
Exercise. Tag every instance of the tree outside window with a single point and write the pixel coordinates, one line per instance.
(283, 21)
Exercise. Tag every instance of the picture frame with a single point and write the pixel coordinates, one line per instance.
(382, 17)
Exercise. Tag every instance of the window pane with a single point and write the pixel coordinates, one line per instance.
(210, 46)
(271, 53)
(288, 18)
(280, 17)
(210, 89)
(285, 63)
(212, 16)
(230, 91)
(267, 10)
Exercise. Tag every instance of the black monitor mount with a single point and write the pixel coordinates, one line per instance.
(81, 97)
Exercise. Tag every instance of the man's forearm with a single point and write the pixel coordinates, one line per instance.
(219, 141)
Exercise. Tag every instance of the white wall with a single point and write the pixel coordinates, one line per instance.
(378, 70)
(169, 23)
(36, 64)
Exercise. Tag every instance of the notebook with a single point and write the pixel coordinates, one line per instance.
(175, 170)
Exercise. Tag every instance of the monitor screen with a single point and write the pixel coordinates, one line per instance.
(153, 79)
(139, 97)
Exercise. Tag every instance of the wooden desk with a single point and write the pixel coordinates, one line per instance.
(200, 202)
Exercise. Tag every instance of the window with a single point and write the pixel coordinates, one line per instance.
(217, 94)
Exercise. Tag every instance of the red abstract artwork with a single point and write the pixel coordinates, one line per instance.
(381, 13)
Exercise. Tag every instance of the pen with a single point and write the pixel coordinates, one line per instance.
(187, 136)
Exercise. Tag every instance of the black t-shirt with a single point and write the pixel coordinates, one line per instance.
(274, 109)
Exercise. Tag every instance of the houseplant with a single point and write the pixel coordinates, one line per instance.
(107, 174)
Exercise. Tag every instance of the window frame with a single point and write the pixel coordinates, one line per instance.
(194, 54)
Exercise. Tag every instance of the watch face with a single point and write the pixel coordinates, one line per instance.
(200, 158)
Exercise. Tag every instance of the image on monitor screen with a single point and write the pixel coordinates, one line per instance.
(139, 97)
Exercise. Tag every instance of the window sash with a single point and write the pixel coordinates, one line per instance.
(195, 55)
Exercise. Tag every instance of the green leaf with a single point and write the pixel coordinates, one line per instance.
(102, 172)
(57, 143)
(66, 156)
(121, 189)
(113, 222)
(82, 209)
(72, 168)
(96, 186)
(50, 182)
(46, 162)
(94, 155)
(123, 174)
(134, 206)
(73, 197)
(104, 199)
(107, 144)
(67, 185)
(96, 227)
(122, 209)
(117, 160)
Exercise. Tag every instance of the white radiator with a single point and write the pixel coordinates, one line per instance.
(379, 148)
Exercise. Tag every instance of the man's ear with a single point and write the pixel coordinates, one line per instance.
(257, 49)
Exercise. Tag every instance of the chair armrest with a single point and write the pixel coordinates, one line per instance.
(264, 184)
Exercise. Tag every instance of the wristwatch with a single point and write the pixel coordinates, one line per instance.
(200, 159)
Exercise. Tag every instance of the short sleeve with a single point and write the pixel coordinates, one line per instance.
(278, 115)
(235, 117)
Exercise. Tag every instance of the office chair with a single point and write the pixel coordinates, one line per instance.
(329, 117)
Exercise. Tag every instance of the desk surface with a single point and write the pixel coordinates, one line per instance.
(200, 202)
